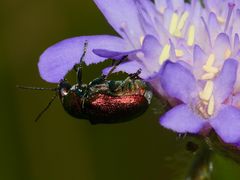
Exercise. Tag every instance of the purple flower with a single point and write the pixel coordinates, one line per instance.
(189, 54)
(149, 34)
(122, 15)
(170, 29)
(203, 101)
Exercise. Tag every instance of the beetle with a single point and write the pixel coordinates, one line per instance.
(102, 100)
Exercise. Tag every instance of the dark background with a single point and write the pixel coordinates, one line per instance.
(60, 147)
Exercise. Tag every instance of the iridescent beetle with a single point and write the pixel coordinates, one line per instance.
(102, 100)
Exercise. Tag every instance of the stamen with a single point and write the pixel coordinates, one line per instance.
(230, 10)
(221, 19)
(227, 53)
(173, 24)
(141, 39)
(201, 110)
(191, 35)
(210, 69)
(210, 109)
(178, 33)
(183, 20)
(210, 60)
(207, 76)
(165, 54)
(179, 53)
(181, 24)
(207, 91)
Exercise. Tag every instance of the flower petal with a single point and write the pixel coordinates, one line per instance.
(221, 45)
(161, 5)
(57, 60)
(178, 81)
(116, 55)
(236, 101)
(199, 59)
(225, 81)
(122, 14)
(213, 26)
(181, 119)
(227, 124)
(151, 49)
(147, 16)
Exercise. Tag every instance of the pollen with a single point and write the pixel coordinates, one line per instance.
(179, 53)
(210, 60)
(210, 69)
(141, 39)
(165, 54)
(191, 35)
(227, 53)
(210, 108)
(181, 24)
(183, 20)
(221, 19)
(207, 76)
(162, 9)
(173, 23)
(207, 91)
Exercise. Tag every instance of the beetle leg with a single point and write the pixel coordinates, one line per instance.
(83, 102)
(115, 64)
(128, 79)
(112, 69)
(84, 97)
(136, 74)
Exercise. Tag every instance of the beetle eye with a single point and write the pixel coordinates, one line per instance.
(64, 91)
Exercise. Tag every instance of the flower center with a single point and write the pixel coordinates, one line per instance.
(207, 104)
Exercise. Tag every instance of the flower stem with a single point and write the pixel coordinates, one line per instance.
(201, 167)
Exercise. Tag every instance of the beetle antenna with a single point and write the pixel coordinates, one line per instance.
(46, 108)
(36, 88)
(78, 67)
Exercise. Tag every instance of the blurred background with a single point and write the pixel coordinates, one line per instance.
(59, 147)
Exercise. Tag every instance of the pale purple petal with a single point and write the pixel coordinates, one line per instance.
(236, 42)
(224, 82)
(236, 101)
(147, 16)
(178, 82)
(151, 46)
(115, 55)
(199, 59)
(161, 4)
(227, 124)
(178, 4)
(122, 15)
(213, 26)
(57, 60)
(151, 49)
(221, 45)
(182, 119)
(148, 9)
(237, 84)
